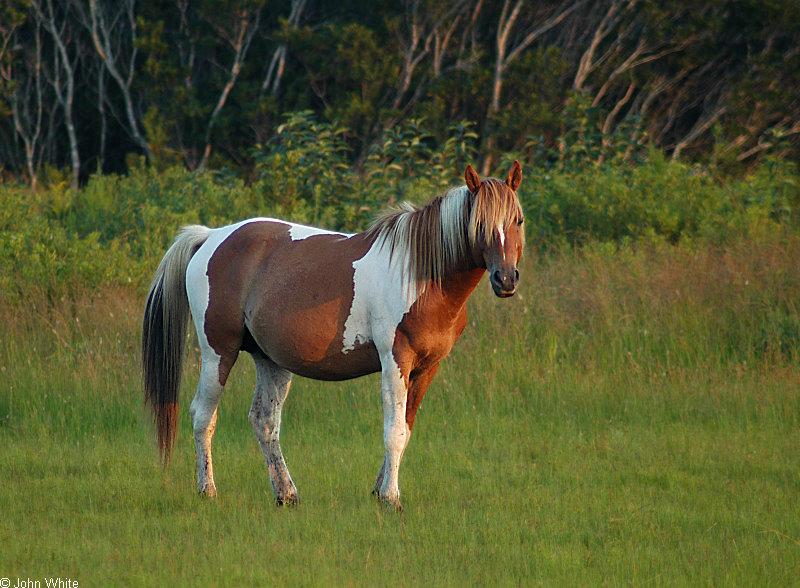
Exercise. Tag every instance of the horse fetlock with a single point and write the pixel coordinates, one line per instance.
(284, 489)
(379, 480)
(207, 490)
(391, 501)
(288, 498)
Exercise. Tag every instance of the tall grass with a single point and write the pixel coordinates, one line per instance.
(631, 416)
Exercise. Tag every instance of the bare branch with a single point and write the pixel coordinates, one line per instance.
(65, 90)
(240, 38)
(587, 64)
(277, 64)
(106, 40)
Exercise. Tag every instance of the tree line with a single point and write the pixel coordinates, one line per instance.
(87, 84)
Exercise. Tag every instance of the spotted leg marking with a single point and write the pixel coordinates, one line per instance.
(272, 388)
(204, 421)
(376, 489)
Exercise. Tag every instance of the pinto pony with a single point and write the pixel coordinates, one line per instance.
(329, 306)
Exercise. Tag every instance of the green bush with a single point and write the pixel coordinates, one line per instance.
(114, 230)
(40, 257)
(618, 202)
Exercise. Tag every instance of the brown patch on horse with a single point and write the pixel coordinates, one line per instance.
(428, 332)
(231, 270)
(298, 317)
(288, 298)
(419, 383)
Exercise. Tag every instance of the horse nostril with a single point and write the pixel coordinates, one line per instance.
(516, 276)
(497, 278)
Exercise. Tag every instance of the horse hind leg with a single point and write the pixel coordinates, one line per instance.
(203, 410)
(272, 388)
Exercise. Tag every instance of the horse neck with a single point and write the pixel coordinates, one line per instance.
(456, 286)
(455, 289)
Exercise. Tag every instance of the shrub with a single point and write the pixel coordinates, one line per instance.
(114, 230)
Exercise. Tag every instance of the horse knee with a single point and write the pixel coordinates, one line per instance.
(396, 437)
(203, 416)
(257, 420)
(263, 424)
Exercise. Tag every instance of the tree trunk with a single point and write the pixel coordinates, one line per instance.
(101, 108)
(241, 44)
(700, 127)
(66, 96)
(504, 56)
(277, 64)
(587, 63)
(101, 38)
(608, 125)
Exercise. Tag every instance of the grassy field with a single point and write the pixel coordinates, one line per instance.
(632, 417)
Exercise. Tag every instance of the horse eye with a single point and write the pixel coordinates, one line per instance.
(520, 221)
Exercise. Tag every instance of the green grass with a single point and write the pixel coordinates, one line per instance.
(600, 429)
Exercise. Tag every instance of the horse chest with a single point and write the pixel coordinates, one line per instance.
(427, 336)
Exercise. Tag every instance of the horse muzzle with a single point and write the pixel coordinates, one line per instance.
(504, 282)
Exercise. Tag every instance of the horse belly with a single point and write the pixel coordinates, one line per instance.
(356, 363)
(304, 336)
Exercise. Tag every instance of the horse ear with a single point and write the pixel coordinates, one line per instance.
(514, 178)
(472, 178)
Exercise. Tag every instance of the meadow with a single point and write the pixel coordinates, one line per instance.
(632, 416)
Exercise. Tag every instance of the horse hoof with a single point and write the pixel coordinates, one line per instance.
(290, 500)
(208, 492)
(391, 504)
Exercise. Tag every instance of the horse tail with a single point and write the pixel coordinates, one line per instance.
(164, 334)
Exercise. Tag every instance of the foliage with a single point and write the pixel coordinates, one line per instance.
(199, 84)
(41, 259)
(304, 170)
(61, 241)
(659, 197)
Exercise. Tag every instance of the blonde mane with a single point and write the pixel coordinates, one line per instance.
(439, 237)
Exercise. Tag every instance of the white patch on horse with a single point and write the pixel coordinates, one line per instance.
(382, 295)
(197, 284)
(300, 232)
(395, 429)
(502, 239)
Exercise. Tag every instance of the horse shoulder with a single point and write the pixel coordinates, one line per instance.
(427, 333)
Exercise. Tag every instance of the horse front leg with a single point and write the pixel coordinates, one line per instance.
(395, 430)
(417, 387)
